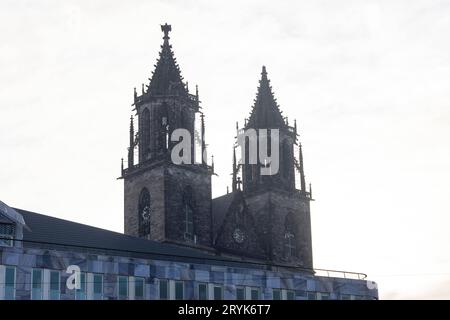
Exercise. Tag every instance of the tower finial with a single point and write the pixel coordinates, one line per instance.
(264, 72)
(166, 28)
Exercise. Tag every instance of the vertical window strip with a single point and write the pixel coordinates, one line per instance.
(97, 287)
(54, 285)
(123, 287)
(36, 284)
(10, 283)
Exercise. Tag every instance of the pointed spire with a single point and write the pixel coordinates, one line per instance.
(234, 181)
(166, 78)
(121, 166)
(295, 127)
(212, 163)
(131, 147)
(310, 191)
(302, 173)
(143, 89)
(265, 112)
(135, 95)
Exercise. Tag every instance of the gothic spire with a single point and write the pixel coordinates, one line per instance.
(204, 159)
(265, 112)
(233, 184)
(131, 148)
(166, 78)
(302, 173)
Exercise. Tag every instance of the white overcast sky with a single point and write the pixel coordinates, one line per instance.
(367, 81)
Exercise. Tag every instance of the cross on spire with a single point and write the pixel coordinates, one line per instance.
(166, 28)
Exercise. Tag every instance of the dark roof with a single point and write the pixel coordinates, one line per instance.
(220, 208)
(46, 231)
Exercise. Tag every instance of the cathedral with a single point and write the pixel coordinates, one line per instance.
(253, 243)
(264, 217)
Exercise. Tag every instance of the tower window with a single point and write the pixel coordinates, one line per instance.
(290, 244)
(145, 134)
(144, 213)
(188, 214)
(290, 241)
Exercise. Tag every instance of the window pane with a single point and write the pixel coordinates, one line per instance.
(179, 290)
(80, 294)
(123, 287)
(311, 296)
(276, 294)
(240, 294)
(163, 290)
(98, 286)
(255, 294)
(290, 295)
(139, 288)
(10, 279)
(202, 291)
(54, 285)
(54, 280)
(36, 292)
(37, 278)
(217, 293)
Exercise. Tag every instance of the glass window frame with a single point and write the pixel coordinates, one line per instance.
(52, 291)
(41, 293)
(7, 286)
(206, 290)
(176, 287)
(127, 295)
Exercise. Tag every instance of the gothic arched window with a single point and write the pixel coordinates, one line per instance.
(286, 156)
(188, 213)
(145, 134)
(144, 213)
(290, 237)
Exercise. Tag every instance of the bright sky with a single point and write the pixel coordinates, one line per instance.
(367, 81)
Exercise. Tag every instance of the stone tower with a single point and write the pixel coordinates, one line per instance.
(281, 212)
(165, 201)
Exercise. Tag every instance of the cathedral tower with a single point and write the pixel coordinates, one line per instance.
(165, 201)
(281, 212)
